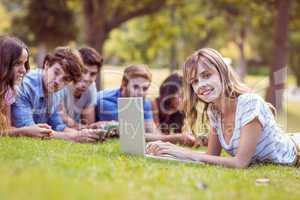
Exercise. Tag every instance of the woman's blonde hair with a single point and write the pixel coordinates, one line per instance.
(208, 58)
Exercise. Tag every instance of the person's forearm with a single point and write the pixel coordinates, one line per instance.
(10, 132)
(174, 138)
(70, 122)
(66, 134)
(61, 135)
(14, 132)
(231, 162)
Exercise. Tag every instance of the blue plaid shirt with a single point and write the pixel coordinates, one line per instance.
(33, 107)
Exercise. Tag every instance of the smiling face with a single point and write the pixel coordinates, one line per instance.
(55, 78)
(89, 75)
(137, 87)
(19, 68)
(207, 84)
(176, 100)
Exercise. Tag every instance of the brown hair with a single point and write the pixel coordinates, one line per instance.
(91, 57)
(207, 57)
(10, 51)
(134, 71)
(174, 121)
(169, 87)
(69, 59)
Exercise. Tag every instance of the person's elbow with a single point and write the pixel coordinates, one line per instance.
(241, 163)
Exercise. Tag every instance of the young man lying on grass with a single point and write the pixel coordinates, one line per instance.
(40, 93)
(135, 83)
(80, 97)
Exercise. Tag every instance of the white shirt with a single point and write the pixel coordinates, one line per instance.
(273, 145)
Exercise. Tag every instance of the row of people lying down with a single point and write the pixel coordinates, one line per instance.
(61, 97)
(241, 122)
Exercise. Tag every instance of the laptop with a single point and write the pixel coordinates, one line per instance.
(132, 130)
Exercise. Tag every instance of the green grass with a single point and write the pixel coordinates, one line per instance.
(55, 169)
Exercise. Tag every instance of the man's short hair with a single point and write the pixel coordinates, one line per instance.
(135, 71)
(90, 56)
(69, 59)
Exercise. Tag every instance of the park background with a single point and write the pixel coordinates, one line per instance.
(261, 40)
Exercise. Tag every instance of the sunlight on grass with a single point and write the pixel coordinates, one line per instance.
(55, 169)
(62, 170)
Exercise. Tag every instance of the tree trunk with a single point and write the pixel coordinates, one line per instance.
(95, 37)
(97, 42)
(101, 18)
(278, 65)
(41, 54)
(242, 69)
(95, 29)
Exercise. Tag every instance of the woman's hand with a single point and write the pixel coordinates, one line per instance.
(37, 131)
(201, 141)
(160, 148)
(190, 140)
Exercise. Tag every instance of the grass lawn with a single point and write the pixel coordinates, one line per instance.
(55, 169)
(34, 169)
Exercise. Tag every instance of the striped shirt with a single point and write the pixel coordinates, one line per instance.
(273, 145)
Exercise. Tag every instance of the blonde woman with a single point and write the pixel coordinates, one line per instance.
(241, 122)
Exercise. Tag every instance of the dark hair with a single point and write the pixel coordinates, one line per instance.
(10, 51)
(170, 86)
(69, 60)
(90, 56)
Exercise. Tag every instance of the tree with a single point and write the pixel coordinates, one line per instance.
(280, 54)
(46, 24)
(52, 22)
(5, 19)
(102, 16)
(294, 41)
(166, 38)
(242, 19)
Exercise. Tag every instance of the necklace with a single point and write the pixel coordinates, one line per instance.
(227, 126)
